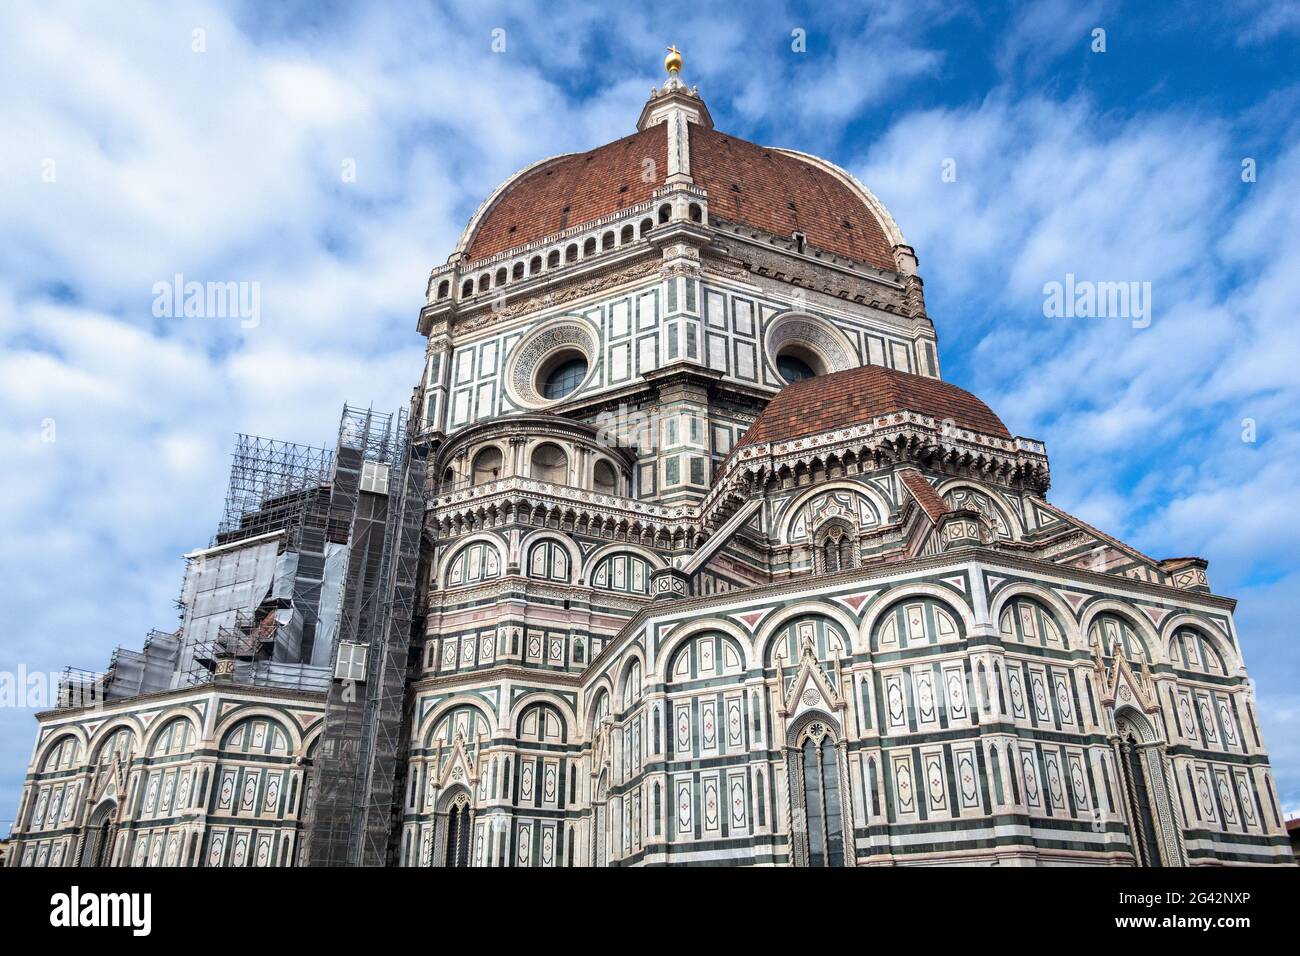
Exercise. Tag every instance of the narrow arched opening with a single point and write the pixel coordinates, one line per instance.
(822, 803)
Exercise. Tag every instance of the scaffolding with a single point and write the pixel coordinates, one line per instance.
(378, 488)
(258, 615)
(271, 483)
(82, 688)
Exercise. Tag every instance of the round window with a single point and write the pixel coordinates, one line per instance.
(565, 376)
(793, 368)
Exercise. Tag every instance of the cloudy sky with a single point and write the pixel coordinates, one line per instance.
(215, 141)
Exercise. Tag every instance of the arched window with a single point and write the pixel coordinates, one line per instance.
(589, 247)
(62, 755)
(915, 623)
(256, 735)
(696, 212)
(1118, 636)
(477, 562)
(501, 276)
(786, 645)
(1193, 651)
(1138, 791)
(466, 722)
(534, 265)
(549, 463)
(834, 548)
(467, 288)
(1026, 621)
(487, 466)
(571, 252)
(632, 685)
(564, 377)
(444, 289)
(622, 572)
(607, 241)
(646, 226)
(706, 657)
(119, 746)
(664, 212)
(793, 368)
(176, 738)
(822, 805)
(99, 835)
(484, 282)
(547, 559)
(542, 723)
(553, 259)
(604, 479)
(627, 235)
(458, 827)
(599, 710)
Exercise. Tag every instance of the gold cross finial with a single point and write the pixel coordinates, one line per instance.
(673, 61)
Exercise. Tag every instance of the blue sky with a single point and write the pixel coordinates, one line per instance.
(225, 165)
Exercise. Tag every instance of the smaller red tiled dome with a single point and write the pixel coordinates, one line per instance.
(858, 395)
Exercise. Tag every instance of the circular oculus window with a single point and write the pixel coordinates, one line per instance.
(550, 365)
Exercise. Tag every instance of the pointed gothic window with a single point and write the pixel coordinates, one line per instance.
(822, 806)
(1138, 790)
(99, 832)
(834, 549)
(458, 827)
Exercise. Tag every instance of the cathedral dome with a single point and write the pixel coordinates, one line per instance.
(860, 395)
(567, 191)
(776, 191)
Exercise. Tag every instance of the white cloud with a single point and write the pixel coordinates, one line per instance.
(1044, 30)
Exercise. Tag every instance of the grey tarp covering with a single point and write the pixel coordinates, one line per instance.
(327, 627)
(220, 586)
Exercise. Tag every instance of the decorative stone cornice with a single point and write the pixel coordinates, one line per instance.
(580, 510)
(444, 601)
(499, 672)
(902, 436)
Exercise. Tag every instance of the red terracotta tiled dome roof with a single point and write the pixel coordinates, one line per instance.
(572, 190)
(783, 194)
(858, 395)
(771, 190)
